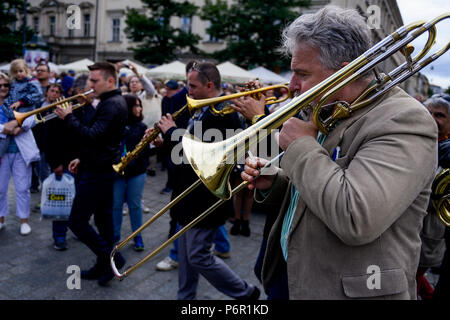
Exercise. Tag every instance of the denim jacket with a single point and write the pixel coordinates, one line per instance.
(28, 91)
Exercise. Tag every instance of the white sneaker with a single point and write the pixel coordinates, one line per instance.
(146, 209)
(167, 264)
(25, 229)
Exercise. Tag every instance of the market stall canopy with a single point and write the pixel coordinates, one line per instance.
(175, 70)
(140, 68)
(77, 66)
(233, 74)
(267, 77)
(5, 67)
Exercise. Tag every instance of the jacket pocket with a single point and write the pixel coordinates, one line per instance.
(377, 284)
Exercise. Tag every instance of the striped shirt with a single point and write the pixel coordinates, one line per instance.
(289, 216)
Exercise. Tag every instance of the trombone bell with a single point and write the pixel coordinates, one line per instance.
(209, 161)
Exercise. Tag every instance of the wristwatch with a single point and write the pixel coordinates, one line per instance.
(256, 118)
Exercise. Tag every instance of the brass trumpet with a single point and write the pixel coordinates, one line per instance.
(21, 116)
(440, 196)
(216, 175)
(193, 105)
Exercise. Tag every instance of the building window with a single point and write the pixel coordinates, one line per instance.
(208, 37)
(87, 25)
(52, 25)
(116, 30)
(36, 24)
(70, 33)
(186, 24)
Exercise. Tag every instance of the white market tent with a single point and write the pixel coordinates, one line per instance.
(5, 67)
(175, 70)
(77, 66)
(267, 77)
(53, 67)
(233, 74)
(140, 68)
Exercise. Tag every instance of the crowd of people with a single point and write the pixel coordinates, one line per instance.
(350, 200)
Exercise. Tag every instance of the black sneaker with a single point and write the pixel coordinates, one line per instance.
(245, 229)
(166, 190)
(255, 295)
(108, 274)
(236, 228)
(34, 190)
(92, 274)
(105, 278)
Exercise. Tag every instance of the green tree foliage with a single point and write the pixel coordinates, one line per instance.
(160, 42)
(448, 90)
(10, 41)
(252, 29)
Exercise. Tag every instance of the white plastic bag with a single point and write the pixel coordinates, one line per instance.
(57, 197)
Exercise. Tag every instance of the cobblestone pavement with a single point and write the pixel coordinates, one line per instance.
(30, 268)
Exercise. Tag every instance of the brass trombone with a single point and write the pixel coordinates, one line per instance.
(21, 116)
(216, 175)
(193, 105)
(440, 196)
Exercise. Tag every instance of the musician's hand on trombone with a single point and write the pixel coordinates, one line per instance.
(166, 123)
(73, 165)
(252, 173)
(295, 128)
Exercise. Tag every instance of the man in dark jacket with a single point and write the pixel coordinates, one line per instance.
(101, 139)
(194, 255)
(438, 240)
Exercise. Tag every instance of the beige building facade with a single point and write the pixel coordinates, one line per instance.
(99, 32)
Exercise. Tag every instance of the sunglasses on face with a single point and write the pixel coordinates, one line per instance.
(196, 67)
(5, 85)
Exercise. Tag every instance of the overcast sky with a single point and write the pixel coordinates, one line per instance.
(438, 72)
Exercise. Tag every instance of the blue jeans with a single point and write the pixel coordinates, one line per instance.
(128, 190)
(221, 242)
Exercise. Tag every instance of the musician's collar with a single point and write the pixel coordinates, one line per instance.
(108, 94)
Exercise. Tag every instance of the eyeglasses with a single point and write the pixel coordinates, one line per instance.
(196, 67)
(6, 85)
(41, 70)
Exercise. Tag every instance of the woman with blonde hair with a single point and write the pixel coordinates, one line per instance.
(20, 149)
